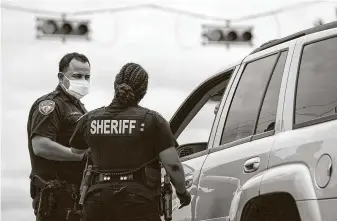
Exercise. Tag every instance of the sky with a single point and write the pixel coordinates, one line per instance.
(167, 45)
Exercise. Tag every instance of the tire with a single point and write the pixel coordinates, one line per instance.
(269, 211)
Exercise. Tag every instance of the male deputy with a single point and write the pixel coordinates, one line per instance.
(126, 137)
(51, 122)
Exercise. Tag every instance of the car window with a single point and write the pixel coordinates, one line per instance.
(267, 116)
(199, 129)
(316, 93)
(247, 99)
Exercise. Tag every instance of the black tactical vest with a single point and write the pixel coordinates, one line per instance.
(118, 140)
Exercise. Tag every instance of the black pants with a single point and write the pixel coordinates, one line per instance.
(103, 205)
(63, 201)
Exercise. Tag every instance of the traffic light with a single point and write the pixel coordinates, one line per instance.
(62, 28)
(216, 34)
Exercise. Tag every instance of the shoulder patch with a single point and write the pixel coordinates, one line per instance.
(46, 107)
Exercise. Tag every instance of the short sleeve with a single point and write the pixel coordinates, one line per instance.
(164, 138)
(78, 140)
(46, 119)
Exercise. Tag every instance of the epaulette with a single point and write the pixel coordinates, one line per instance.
(53, 94)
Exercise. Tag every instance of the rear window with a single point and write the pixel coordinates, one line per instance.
(316, 93)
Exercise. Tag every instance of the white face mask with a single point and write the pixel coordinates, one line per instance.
(77, 88)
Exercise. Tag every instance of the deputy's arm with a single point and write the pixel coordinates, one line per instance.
(170, 160)
(45, 125)
(168, 155)
(46, 148)
(77, 141)
(78, 151)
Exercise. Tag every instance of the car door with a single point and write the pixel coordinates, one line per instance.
(310, 126)
(193, 155)
(245, 133)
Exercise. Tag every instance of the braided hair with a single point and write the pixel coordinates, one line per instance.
(131, 84)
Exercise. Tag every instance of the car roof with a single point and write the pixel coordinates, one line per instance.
(296, 35)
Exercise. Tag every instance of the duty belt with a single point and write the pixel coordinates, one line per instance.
(56, 184)
(108, 177)
(93, 176)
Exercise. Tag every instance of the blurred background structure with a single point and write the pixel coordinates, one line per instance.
(179, 42)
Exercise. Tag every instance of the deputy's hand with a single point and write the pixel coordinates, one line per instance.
(185, 198)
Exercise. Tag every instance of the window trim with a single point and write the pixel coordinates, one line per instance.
(195, 155)
(263, 135)
(231, 144)
(240, 141)
(217, 119)
(278, 53)
(317, 120)
(214, 140)
(264, 93)
(266, 89)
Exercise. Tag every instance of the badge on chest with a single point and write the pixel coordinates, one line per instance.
(73, 117)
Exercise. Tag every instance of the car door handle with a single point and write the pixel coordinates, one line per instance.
(189, 181)
(252, 165)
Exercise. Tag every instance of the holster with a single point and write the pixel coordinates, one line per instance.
(46, 204)
(165, 204)
(85, 184)
(44, 195)
(46, 198)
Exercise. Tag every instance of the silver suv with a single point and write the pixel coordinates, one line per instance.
(272, 149)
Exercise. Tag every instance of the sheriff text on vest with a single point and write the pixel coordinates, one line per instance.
(113, 127)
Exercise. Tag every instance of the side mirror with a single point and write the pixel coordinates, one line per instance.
(191, 148)
(216, 108)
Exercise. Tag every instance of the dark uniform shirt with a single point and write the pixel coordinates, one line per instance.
(54, 116)
(122, 138)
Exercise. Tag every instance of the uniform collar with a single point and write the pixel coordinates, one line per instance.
(66, 96)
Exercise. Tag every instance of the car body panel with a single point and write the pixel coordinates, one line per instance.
(288, 159)
(192, 164)
(305, 145)
(228, 163)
